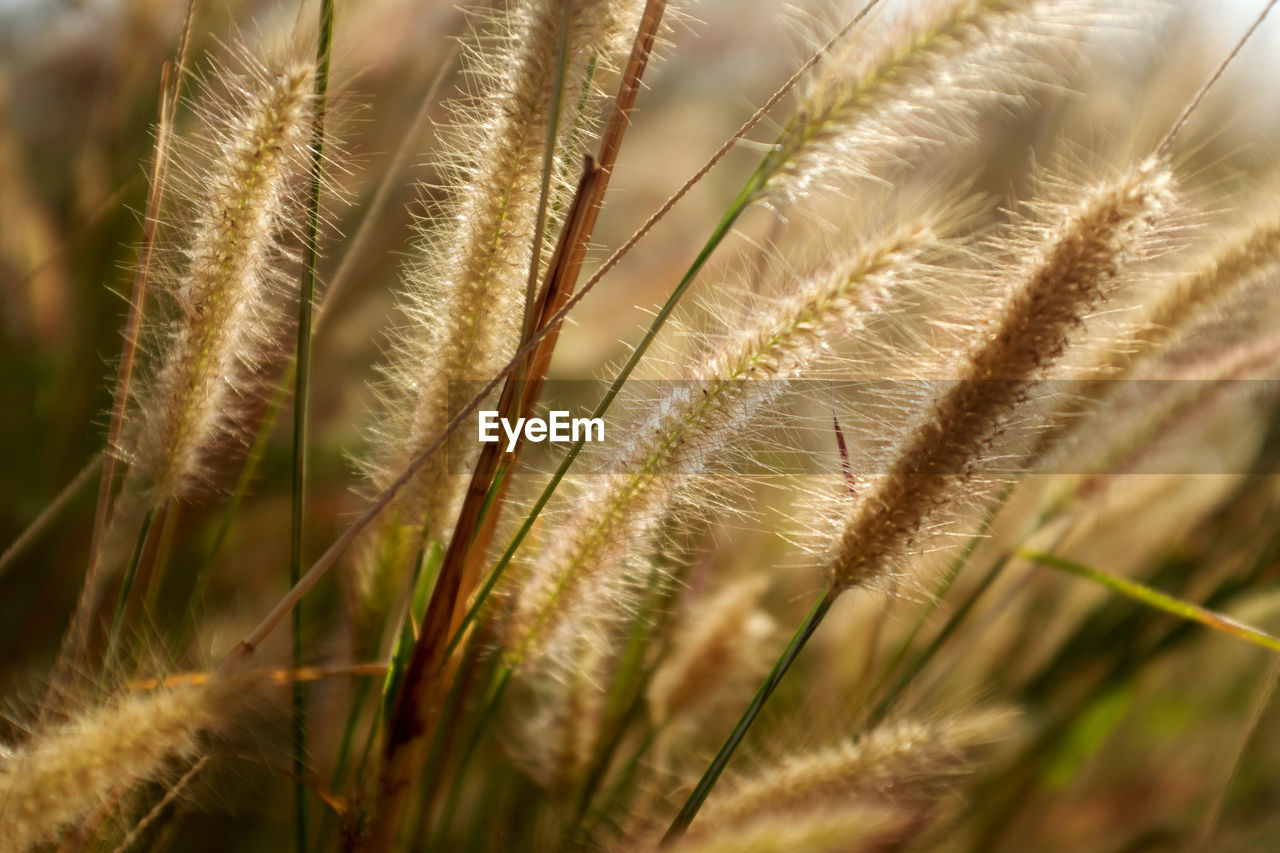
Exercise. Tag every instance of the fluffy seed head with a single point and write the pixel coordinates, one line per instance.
(850, 828)
(228, 328)
(919, 81)
(1067, 274)
(66, 773)
(561, 717)
(906, 764)
(1238, 262)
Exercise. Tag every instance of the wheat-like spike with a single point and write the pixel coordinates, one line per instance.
(719, 645)
(1238, 262)
(464, 295)
(1068, 274)
(229, 322)
(64, 774)
(697, 421)
(906, 763)
(1116, 446)
(921, 82)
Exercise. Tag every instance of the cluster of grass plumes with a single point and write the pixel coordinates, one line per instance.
(909, 295)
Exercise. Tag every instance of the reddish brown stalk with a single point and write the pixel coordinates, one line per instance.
(465, 558)
(561, 279)
(522, 394)
(170, 87)
(416, 710)
(489, 476)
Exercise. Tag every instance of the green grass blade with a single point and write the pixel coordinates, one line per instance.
(691, 806)
(1157, 600)
(302, 377)
(126, 585)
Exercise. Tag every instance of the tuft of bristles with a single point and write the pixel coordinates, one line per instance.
(1068, 273)
(559, 721)
(849, 828)
(588, 555)
(69, 772)
(230, 297)
(1238, 262)
(901, 766)
(923, 79)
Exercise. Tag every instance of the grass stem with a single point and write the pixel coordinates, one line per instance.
(1156, 600)
(301, 395)
(712, 775)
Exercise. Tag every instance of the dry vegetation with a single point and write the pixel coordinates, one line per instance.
(963, 344)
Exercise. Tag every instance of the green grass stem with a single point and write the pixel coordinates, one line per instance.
(712, 775)
(301, 394)
(1156, 600)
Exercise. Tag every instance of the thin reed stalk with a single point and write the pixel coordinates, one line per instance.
(301, 404)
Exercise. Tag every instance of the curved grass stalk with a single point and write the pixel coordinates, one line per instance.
(1156, 600)
(50, 513)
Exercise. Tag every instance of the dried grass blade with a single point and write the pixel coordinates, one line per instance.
(170, 90)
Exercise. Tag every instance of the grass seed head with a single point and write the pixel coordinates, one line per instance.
(229, 328)
(1072, 259)
(65, 772)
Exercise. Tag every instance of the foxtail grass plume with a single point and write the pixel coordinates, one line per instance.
(1239, 261)
(230, 325)
(1144, 428)
(920, 81)
(1074, 255)
(906, 764)
(559, 721)
(587, 556)
(848, 828)
(67, 772)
